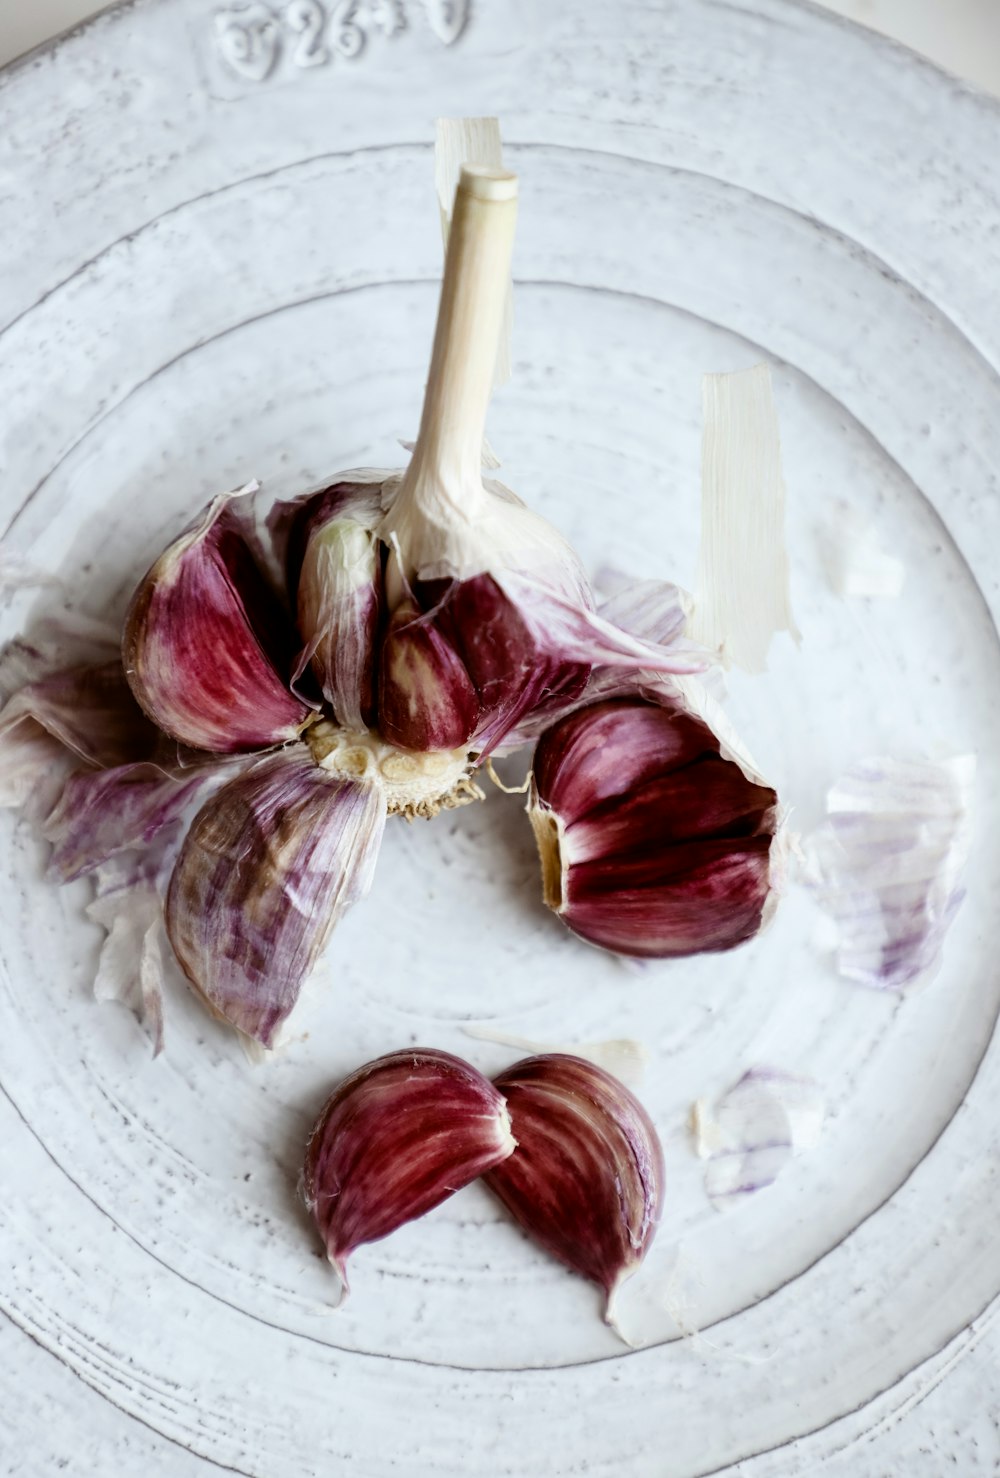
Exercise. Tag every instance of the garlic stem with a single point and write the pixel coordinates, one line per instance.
(447, 458)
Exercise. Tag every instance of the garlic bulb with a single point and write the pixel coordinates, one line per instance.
(206, 642)
(652, 842)
(491, 609)
(395, 1140)
(586, 1179)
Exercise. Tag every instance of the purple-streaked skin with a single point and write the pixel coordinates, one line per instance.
(587, 1179)
(426, 700)
(332, 559)
(460, 667)
(394, 1141)
(887, 864)
(652, 844)
(102, 813)
(90, 711)
(758, 1125)
(640, 629)
(208, 648)
(270, 863)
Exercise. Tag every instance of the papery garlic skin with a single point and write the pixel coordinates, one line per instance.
(652, 843)
(207, 648)
(397, 1138)
(270, 863)
(587, 1177)
(333, 562)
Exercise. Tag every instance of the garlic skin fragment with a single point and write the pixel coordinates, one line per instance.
(652, 843)
(207, 647)
(270, 863)
(587, 1177)
(754, 1131)
(888, 864)
(742, 593)
(395, 1140)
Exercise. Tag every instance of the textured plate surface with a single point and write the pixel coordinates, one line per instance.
(230, 270)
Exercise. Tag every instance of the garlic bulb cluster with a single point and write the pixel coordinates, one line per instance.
(565, 1147)
(291, 689)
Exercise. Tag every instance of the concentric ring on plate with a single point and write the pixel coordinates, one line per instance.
(638, 363)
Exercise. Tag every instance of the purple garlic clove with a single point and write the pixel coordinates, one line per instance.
(426, 699)
(270, 863)
(207, 646)
(587, 1178)
(395, 1140)
(333, 562)
(651, 841)
(459, 666)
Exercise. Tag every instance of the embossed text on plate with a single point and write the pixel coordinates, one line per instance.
(254, 39)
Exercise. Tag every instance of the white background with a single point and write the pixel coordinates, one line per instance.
(962, 35)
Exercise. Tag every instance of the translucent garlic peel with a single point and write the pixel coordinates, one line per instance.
(755, 1129)
(207, 648)
(131, 967)
(90, 711)
(270, 863)
(742, 588)
(396, 1139)
(586, 1179)
(888, 864)
(101, 813)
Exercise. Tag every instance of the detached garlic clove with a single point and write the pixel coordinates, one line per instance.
(334, 571)
(270, 863)
(587, 1178)
(395, 1140)
(651, 842)
(207, 647)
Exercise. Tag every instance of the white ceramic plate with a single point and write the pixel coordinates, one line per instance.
(221, 250)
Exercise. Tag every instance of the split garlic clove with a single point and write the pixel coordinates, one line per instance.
(652, 842)
(334, 569)
(207, 646)
(269, 865)
(394, 1141)
(587, 1177)
(426, 701)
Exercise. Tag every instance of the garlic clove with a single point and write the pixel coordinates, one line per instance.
(395, 1140)
(426, 700)
(207, 646)
(334, 571)
(587, 1177)
(270, 863)
(652, 842)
